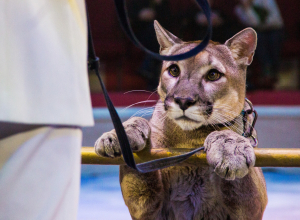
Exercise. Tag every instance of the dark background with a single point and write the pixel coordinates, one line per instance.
(120, 59)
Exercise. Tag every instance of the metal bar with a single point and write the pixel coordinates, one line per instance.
(265, 157)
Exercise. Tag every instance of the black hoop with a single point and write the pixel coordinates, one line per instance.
(124, 21)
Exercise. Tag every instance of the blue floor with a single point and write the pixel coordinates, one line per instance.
(101, 196)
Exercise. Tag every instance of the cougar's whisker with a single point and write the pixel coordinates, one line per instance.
(143, 110)
(137, 91)
(218, 119)
(138, 103)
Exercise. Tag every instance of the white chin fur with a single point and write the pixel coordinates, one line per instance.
(186, 125)
(192, 113)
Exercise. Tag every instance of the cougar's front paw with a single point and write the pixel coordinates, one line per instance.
(108, 145)
(137, 131)
(230, 154)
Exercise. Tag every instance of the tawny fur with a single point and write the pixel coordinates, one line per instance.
(230, 187)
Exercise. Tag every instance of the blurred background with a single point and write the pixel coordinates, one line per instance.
(130, 76)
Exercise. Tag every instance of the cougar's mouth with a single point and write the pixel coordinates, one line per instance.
(185, 118)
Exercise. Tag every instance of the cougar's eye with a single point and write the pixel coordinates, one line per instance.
(174, 70)
(213, 75)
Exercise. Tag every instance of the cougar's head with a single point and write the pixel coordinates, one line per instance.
(208, 88)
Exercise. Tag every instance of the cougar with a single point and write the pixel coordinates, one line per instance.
(201, 100)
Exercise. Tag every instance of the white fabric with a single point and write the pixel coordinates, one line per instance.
(43, 70)
(41, 180)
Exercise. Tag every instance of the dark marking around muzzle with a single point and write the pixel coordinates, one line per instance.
(209, 108)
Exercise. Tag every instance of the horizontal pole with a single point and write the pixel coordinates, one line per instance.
(265, 157)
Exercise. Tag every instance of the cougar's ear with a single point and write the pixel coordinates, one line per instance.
(243, 45)
(165, 38)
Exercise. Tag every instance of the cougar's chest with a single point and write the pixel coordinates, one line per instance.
(192, 194)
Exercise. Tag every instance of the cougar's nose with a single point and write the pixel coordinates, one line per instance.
(184, 103)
